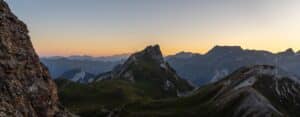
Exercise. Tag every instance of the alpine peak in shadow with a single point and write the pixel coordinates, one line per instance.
(151, 72)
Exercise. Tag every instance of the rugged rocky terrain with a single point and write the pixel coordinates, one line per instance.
(255, 91)
(26, 89)
(149, 69)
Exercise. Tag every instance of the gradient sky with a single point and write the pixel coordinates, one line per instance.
(107, 27)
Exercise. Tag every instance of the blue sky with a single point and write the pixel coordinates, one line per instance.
(106, 27)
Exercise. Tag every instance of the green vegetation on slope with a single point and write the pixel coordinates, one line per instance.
(200, 104)
(98, 98)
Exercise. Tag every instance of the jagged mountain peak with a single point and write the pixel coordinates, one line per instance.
(148, 67)
(150, 52)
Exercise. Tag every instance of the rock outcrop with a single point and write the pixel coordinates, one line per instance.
(148, 67)
(26, 89)
(259, 90)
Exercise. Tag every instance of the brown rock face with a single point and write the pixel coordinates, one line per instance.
(26, 89)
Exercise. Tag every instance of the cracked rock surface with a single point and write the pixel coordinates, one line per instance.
(26, 89)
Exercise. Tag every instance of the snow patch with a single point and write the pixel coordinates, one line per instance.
(219, 74)
(246, 83)
(78, 76)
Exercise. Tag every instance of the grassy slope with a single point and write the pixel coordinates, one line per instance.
(88, 100)
(91, 99)
(194, 106)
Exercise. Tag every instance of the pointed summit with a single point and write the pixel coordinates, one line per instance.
(149, 70)
(150, 52)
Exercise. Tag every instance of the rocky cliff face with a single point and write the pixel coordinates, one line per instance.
(26, 89)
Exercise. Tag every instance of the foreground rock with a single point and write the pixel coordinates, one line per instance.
(26, 89)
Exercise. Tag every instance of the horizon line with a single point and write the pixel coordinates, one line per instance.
(129, 53)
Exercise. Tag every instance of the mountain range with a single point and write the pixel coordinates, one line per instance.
(59, 65)
(112, 58)
(197, 68)
(146, 85)
(223, 60)
(263, 84)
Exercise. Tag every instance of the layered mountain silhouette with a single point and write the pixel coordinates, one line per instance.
(26, 89)
(59, 65)
(253, 91)
(223, 60)
(198, 68)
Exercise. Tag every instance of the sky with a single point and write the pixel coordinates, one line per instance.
(109, 27)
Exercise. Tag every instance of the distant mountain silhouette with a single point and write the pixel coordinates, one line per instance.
(199, 68)
(223, 60)
(59, 65)
(78, 75)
